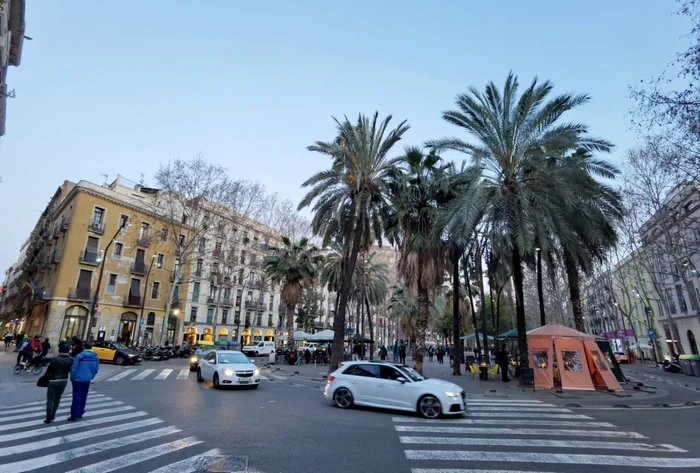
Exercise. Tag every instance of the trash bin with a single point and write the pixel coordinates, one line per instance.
(690, 364)
(272, 357)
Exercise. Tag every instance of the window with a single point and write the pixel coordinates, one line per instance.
(98, 216)
(155, 290)
(111, 284)
(237, 317)
(240, 277)
(224, 316)
(163, 234)
(253, 256)
(193, 315)
(239, 294)
(387, 372)
(676, 275)
(210, 315)
(217, 249)
(195, 292)
(227, 292)
(242, 257)
(118, 249)
(202, 244)
(215, 268)
(272, 302)
(251, 278)
(250, 296)
(123, 221)
(212, 290)
(184, 218)
(144, 230)
(258, 320)
(160, 261)
(671, 301)
(151, 320)
(182, 240)
(681, 299)
(220, 227)
(198, 269)
(368, 371)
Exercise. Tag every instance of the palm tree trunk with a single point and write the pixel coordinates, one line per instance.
(456, 316)
(480, 278)
(339, 319)
(523, 354)
(540, 292)
(574, 290)
(498, 309)
(371, 330)
(493, 310)
(471, 302)
(421, 326)
(290, 325)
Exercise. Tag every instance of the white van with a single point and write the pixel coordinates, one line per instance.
(259, 348)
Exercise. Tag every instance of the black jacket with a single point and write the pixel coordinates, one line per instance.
(59, 368)
(77, 349)
(503, 358)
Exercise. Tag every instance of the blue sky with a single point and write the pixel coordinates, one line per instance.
(120, 87)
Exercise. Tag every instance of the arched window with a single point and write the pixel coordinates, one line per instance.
(151, 320)
(74, 322)
(693, 343)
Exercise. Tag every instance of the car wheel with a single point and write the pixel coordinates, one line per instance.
(119, 360)
(192, 368)
(343, 398)
(216, 381)
(256, 354)
(429, 407)
(199, 376)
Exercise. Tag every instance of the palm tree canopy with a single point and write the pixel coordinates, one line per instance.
(403, 307)
(294, 266)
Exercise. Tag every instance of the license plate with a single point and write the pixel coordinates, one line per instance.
(243, 381)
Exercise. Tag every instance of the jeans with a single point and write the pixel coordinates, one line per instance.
(53, 397)
(80, 392)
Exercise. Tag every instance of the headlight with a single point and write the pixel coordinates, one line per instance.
(228, 372)
(257, 371)
(194, 359)
(452, 394)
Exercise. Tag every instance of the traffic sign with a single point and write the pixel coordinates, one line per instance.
(141, 322)
(652, 334)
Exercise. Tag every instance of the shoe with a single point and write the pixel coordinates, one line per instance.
(47, 421)
(72, 419)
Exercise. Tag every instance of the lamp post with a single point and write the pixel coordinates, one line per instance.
(540, 292)
(647, 312)
(93, 302)
(143, 299)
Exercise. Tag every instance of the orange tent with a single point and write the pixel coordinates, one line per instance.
(578, 359)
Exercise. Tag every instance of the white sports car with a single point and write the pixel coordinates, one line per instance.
(228, 368)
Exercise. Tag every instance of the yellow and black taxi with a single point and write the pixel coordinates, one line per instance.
(198, 355)
(115, 352)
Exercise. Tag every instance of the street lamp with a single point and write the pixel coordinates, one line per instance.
(93, 302)
(143, 299)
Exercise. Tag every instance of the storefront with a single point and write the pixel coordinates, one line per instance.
(127, 326)
(74, 322)
(245, 337)
(223, 335)
(191, 335)
(269, 336)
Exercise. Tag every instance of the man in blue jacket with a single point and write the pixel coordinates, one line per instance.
(85, 366)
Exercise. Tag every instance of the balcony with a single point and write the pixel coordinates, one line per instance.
(211, 300)
(174, 275)
(55, 257)
(198, 272)
(96, 227)
(64, 225)
(250, 305)
(261, 306)
(56, 232)
(90, 257)
(227, 301)
(138, 268)
(218, 254)
(130, 300)
(79, 294)
(41, 295)
(143, 240)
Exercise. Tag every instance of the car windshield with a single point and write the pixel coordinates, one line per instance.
(410, 373)
(120, 346)
(202, 351)
(233, 358)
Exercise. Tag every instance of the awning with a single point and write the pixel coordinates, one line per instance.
(298, 335)
(512, 334)
(471, 337)
(324, 336)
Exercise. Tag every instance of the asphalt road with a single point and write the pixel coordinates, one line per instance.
(138, 423)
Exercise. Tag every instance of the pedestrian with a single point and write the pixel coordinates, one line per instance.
(307, 356)
(440, 355)
(356, 352)
(395, 352)
(19, 339)
(57, 373)
(66, 343)
(431, 351)
(30, 349)
(503, 363)
(402, 353)
(8, 339)
(82, 372)
(77, 348)
(45, 347)
(382, 353)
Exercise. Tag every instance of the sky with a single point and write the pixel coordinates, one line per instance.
(122, 87)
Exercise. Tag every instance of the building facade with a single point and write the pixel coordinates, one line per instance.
(12, 28)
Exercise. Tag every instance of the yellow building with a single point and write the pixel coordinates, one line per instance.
(94, 229)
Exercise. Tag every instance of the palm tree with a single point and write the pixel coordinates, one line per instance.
(514, 137)
(403, 307)
(419, 190)
(294, 266)
(376, 287)
(352, 196)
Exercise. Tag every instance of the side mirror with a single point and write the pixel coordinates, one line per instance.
(401, 379)
(252, 361)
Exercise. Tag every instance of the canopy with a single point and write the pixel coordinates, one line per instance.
(512, 334)
(558, 331)
(324, 336)
(471, 337)
(298, 335)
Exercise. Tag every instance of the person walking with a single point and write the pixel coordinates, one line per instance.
(77, 347)
(83, 371)
(19, 338)
(58, 371)
(440, 355)
(45, 347)
(431, 351)
(395, 352)
(382, 353)
(8, 339)
(402, 353)
(503, 363)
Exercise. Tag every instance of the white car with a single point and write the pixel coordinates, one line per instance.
(228, 368)
(393, 386)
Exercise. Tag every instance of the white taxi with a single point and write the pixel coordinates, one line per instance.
(228, 368)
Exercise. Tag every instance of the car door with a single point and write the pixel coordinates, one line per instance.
(394, 393)
(364, 382)
(207, 365)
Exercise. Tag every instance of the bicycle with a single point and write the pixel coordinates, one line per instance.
(34, 368)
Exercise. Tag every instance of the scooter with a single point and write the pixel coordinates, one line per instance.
(672, 366)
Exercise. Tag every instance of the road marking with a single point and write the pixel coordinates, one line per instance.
(184, 374)
(60, 440)
(496, 431)
(523, 409)
(68, 455)
(457, 470)
(137, 457)
(511, 404)
(540, 443)
(142, 374)
(60, 411)
(20, 425)
(553, 423)
(123, 374)
(561, 458)
(503, 401)
(69, 426)
(279, 378)
(13, 409)
(530, 415)
(189, 465)
(264, 377)
(164, 374)
(41, 405)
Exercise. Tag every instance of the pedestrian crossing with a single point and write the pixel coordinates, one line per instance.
(111, 436)
(135, 374)
(518, 436)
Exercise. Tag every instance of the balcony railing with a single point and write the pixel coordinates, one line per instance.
(211, 300)
(130, 300)
(198, 272)
(139, 268)
(96, 227)
(250, 305)
(56, 232)
(174, 275)
(55, 257)
(255, 264)
(217, 253)
(64, 225)
(89, 257)
(227, 301)
(41, 295)
(79, 294)
(144, 240)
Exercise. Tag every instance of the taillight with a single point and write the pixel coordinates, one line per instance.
(331, 378)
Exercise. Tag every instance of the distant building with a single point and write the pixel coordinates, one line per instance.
(11, 40)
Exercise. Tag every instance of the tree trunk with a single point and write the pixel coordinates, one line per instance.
(421, 327)
(456, 316)
(480, 278)
(471, 302)
(339, 319)
(498, 309)
(290, 325)
(523, 354)
(493, 310)
(540, 292)
(574, 290)
(371, 330)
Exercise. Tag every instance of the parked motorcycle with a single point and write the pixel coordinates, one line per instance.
(672, 366)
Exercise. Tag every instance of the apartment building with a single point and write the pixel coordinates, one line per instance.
(12, 28)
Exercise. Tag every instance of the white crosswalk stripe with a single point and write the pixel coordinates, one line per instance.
(143, 374)
(551, 435)
(164, 374)
(184, 374)
(111, 436)
(123, 374)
